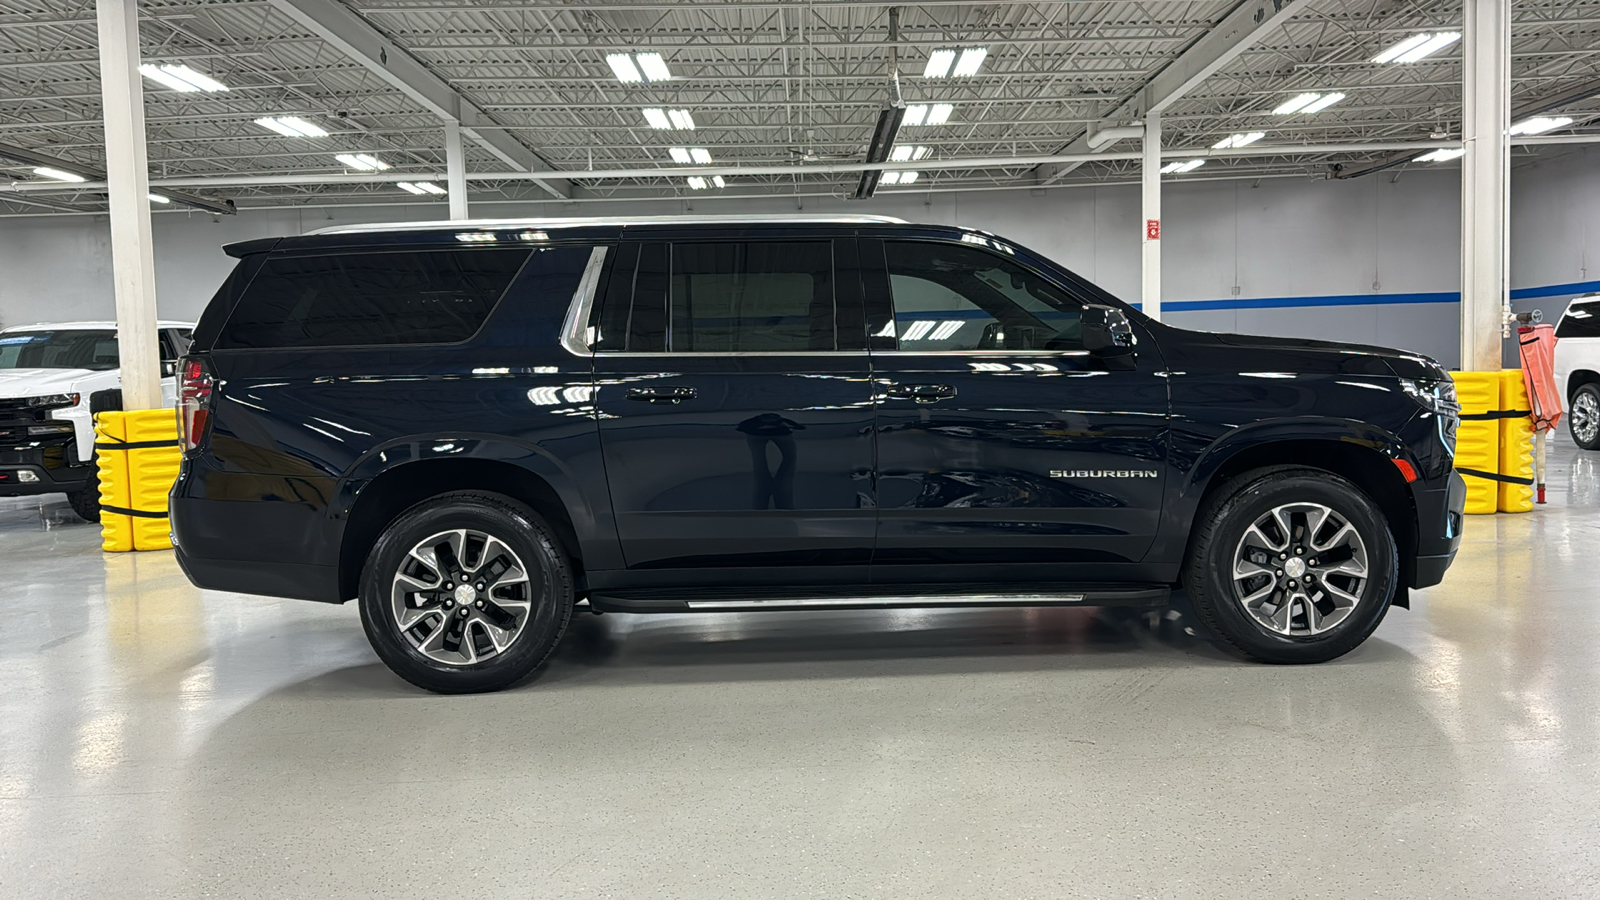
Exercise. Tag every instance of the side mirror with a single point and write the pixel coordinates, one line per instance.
(1106, 331)
(169, 368)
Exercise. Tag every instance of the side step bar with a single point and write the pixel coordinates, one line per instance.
(1148, 595)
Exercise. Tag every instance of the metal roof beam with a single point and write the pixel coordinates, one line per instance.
(32, 158)
(1237, 30)
(356, 37)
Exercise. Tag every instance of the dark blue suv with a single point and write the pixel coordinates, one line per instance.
(473, 426)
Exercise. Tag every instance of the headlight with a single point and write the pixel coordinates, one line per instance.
(51, 401)
(1434, 396)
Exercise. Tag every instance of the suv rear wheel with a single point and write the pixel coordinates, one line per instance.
(1291, 565)
(86, 501)
(466, 592)
(1583, 420)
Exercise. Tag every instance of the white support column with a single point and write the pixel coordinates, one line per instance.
(1150, 249)
(1485, 181)
(455, 162)
(133, 268)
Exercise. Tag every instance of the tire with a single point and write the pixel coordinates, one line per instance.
(492, 646)
(1583, 419)
(1313, 620)
(86, 502)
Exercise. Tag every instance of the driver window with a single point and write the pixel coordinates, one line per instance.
(950, 297)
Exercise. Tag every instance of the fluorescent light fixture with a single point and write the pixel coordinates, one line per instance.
(905, 154)
(157, 198)
(900, 178)
(1540, 124)
(946, 328)
(1442, 155)
(1295, 104)
(696, 183)
(58, 174)
(181, 78)
(916, 330)
(908, 177)
(914, 115)
(890, 178)
(653, 67)
(657, 119)
(680, 155)
(430, 187)
(622, 66)
(1181, 166)
(1418, 46)
(681, 119)
(939, 62)
(409, 188)
(940, 113)
(717, 180)
(700, 155)
(1239, 140)
(291, 126)
(971, 59)
(1326, 101)
(366, 162)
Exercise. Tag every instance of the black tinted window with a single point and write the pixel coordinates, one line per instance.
(755, 297)
(956, 297)
(371, 298)
(1581, 321)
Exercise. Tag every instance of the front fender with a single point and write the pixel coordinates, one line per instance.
(1213, 457)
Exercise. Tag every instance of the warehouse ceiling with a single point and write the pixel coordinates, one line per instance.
(790, 86)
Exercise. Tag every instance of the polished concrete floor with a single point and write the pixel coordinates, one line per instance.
(161, 741)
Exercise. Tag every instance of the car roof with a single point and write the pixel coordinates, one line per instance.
(610, 221)
(87, 326)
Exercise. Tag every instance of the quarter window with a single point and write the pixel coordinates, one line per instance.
(950, 297)
(1581, 321)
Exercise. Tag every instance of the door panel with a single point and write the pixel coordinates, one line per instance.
(1011, 446)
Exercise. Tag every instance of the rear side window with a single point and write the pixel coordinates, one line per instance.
(1581, 321)
(362, 299)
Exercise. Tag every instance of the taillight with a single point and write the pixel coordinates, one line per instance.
(194, 402)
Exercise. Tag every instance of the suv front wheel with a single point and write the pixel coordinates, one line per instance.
(466, 592)
(1291, 565)
(1583, 420)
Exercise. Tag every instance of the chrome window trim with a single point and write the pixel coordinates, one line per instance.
(609, 221)
(631, 354)
(573, 338)
(984, 353)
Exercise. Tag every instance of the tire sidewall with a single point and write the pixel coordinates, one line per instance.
(524, 532)
(1238, 512)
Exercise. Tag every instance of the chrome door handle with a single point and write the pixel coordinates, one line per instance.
(922, 393)
(661, 393)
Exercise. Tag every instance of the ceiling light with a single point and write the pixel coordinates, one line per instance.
(430, 187)
(1322, 104)
(58, 174)
(680, 155)
(622, 65)
(940, 113)
(697, 183)
(915, 115)
(1540, 124)
(904, 154)
(717, 180)
(1239, 140)
(657, 119)
(1417, 46)
(971, 59)
(1181, 166)
(890, 178)
(700, 155)
(408, 187)
(653, 67)
(157, 198)
(939, 63)
(363, 161)
(181, 78)
(1442, 155)
(908, 177)
(291, 126)
(681, 119)
(1295, 104)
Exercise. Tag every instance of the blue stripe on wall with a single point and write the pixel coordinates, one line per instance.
(1531, 293)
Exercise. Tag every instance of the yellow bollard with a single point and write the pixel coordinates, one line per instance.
(1478, 438)
(138, 455)
(1516, 445)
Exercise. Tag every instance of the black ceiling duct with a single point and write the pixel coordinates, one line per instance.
(883, 138)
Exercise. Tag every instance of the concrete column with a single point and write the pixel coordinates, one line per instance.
(1485, 181)
(133, 268)
(1150, 249)
(455, 161)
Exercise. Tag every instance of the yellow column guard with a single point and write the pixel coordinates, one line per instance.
(1498, 470)
(138, 456)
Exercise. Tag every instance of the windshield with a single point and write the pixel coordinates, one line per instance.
(76, 349)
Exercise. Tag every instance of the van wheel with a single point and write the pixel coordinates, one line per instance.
(466, 592)
(1584, 418)
(1291, 565)
(86, 502)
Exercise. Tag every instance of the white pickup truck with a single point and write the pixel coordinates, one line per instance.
(53, 378)
(1577, 365)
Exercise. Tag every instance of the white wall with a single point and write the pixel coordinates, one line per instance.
(1227, 243)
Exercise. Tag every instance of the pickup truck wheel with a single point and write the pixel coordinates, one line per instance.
(466, 592)
(1584, 419)
(86, 502)
(1291, 565)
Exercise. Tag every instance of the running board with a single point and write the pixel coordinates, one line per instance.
(714, 600)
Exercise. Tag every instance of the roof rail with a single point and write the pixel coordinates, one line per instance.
(589, 222)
